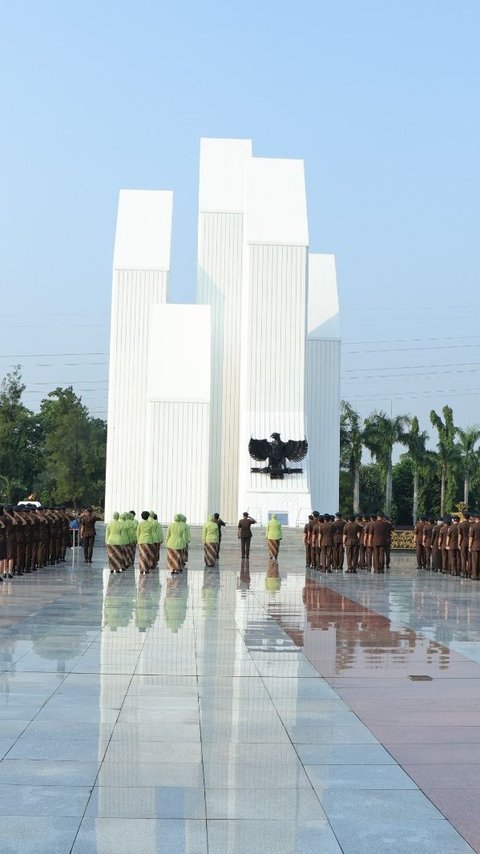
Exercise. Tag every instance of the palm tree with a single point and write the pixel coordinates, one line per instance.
(351, 447)
(446, 455)
(469, 460)
(380, 434)
(415, 440)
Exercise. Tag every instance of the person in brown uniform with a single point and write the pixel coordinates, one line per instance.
(42, 545)
(351, 542)
(362, 521)
(418, 540)
(327, 542)
(10, 523)
(443, 545)
(245, 534)
(87, 532)
(307, 542)
(379, 540)
(474, 545)
(388, 547)
(318, 526)
(452, 547)
(29, 531)
(314, 528)
(20, 542)
(427, 542)
(463, 535)
(436, 546)
(338, 550)
(368, 537)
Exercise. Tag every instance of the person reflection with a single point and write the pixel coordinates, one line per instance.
(119, 601)
(273, 581)
(148, 597)
(175, 604)
(243, 582)
(211, 586)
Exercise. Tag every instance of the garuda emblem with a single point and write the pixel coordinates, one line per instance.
(277, 453)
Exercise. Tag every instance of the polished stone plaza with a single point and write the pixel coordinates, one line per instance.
(239, 709)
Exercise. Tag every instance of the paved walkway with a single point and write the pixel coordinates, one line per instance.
(239, 710)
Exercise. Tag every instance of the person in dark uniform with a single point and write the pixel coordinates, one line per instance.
(474, 546)
(306, 542)
(318, 523)
(427, 542)
(245, 534)
(443, 544)
(8, 526)
(463, 534)
(338, 550)
(368, 536)
(221, 524)
(379, 540)
(436, 546)
(418, 539)
(351, 542)
(87, 532)
(327, 543)
(388, 547)
(452, 547)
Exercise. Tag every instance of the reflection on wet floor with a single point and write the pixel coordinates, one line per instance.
(247, 701)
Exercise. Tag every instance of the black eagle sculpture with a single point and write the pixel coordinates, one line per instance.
(277, 453)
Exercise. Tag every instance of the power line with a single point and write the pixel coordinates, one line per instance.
(47, 355)
(400, 377)
(411, 349)
(413, 367)
(407, 340)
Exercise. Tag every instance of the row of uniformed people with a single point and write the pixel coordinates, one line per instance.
(31, 538)
(365, 541)
(124, 533)
(450, 545)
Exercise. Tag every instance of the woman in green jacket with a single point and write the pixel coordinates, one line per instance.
(210, 541)
(114, 541)
(273, 536)
(145, 542)
(176, 542)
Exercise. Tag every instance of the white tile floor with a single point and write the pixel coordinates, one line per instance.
(145, 715)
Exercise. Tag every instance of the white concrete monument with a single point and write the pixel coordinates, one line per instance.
(259, 353)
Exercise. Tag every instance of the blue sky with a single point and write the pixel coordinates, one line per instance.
(379, 98)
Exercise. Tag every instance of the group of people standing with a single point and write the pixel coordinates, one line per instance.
(364, 540)
(124, 533)
(31, 538)
(450, 545)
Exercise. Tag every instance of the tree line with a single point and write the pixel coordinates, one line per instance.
(423, 481)
(57, 454)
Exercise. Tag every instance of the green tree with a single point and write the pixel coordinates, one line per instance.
(74, 449)
(402, 476)
(351, 448)
(468, 456)
(380, 434)
(20, 438)
(447, 456)
(371, 487)
(415, 440)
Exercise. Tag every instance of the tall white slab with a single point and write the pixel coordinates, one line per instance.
(141, 268)
(223, 165)
(274, 332)
(177, 427)
(323, 383)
